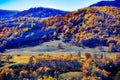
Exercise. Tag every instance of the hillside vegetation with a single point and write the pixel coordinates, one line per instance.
(90, 27)
(63, 67)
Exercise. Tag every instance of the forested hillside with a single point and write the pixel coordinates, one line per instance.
(90, 27)
(40, 12)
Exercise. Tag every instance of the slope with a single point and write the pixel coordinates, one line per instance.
(89, 27)
(40, 12)
(7, 13)
(115, 3)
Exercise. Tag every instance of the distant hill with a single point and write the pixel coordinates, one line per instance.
(115, 3)
(89, 27)
(7, 13)
(40, 12)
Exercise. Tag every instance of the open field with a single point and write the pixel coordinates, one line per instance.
(52, 48)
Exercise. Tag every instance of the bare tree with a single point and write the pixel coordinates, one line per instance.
(60, 46)
(111, 45)
(0, 59)
(8, 58)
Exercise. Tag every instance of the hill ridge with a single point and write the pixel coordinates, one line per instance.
(115, 3)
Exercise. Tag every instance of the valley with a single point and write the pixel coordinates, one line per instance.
(43, 43)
